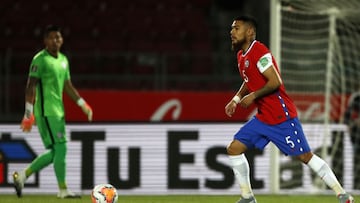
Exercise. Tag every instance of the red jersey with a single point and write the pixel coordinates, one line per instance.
(273, 108)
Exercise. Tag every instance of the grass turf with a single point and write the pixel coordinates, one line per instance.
(176, 199)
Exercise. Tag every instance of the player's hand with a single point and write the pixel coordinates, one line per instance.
(230, 108)
(85, 107)
(27, 123)
(88, 111)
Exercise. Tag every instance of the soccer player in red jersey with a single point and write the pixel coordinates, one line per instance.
(276, 120)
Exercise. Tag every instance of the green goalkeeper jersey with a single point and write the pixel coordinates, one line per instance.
(52, 73)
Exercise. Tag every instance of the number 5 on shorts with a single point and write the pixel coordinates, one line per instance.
(289, 142)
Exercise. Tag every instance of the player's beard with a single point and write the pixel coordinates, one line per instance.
(238, 44)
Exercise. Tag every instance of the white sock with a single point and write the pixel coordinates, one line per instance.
(242, 173)
(323, 170)
(22, 176)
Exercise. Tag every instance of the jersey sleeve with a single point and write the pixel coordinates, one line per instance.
(35, 68)
(67, 74)
(263, 57)
(264, 62)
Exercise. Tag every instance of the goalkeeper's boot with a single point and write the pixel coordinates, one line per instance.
(67, 194)
(345, 198)
(19, 180)
(249, 200)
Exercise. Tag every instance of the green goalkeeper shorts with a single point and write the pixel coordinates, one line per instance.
(52, 130)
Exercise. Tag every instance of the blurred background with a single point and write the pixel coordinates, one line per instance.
(162, 45)
(171, 60)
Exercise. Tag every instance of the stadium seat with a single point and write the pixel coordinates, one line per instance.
(102, 29)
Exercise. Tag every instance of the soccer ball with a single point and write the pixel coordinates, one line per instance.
(104, 193)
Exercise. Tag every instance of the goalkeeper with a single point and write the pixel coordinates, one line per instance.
(49, 76)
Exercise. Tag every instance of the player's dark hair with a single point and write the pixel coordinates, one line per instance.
(249, 20)
(51, 28)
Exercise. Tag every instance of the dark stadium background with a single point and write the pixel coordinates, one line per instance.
(137, 45)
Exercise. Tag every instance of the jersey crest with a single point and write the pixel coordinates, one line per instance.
(247, 63)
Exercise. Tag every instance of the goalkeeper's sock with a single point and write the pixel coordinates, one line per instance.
(323, 170)
(60, 150)
(28, 172)
(39, 163)
(22, 176)
(242, 173)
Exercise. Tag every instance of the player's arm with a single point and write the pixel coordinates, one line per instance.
(231, 106)
(30, 91)
(273, 83)
(75, 96)
(241, 93)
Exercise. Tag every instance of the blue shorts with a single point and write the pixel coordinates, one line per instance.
(287, 136)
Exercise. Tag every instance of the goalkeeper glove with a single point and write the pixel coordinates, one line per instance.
(85, 108)
(28, 119)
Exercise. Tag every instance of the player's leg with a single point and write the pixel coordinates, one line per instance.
(240, 167)
(60, 151)
(241, 170)
(322, 169)
(37, 164)
(246, 138)
(57, 126)
(290, 139)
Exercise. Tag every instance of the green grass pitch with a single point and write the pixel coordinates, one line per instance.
(176, 199)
